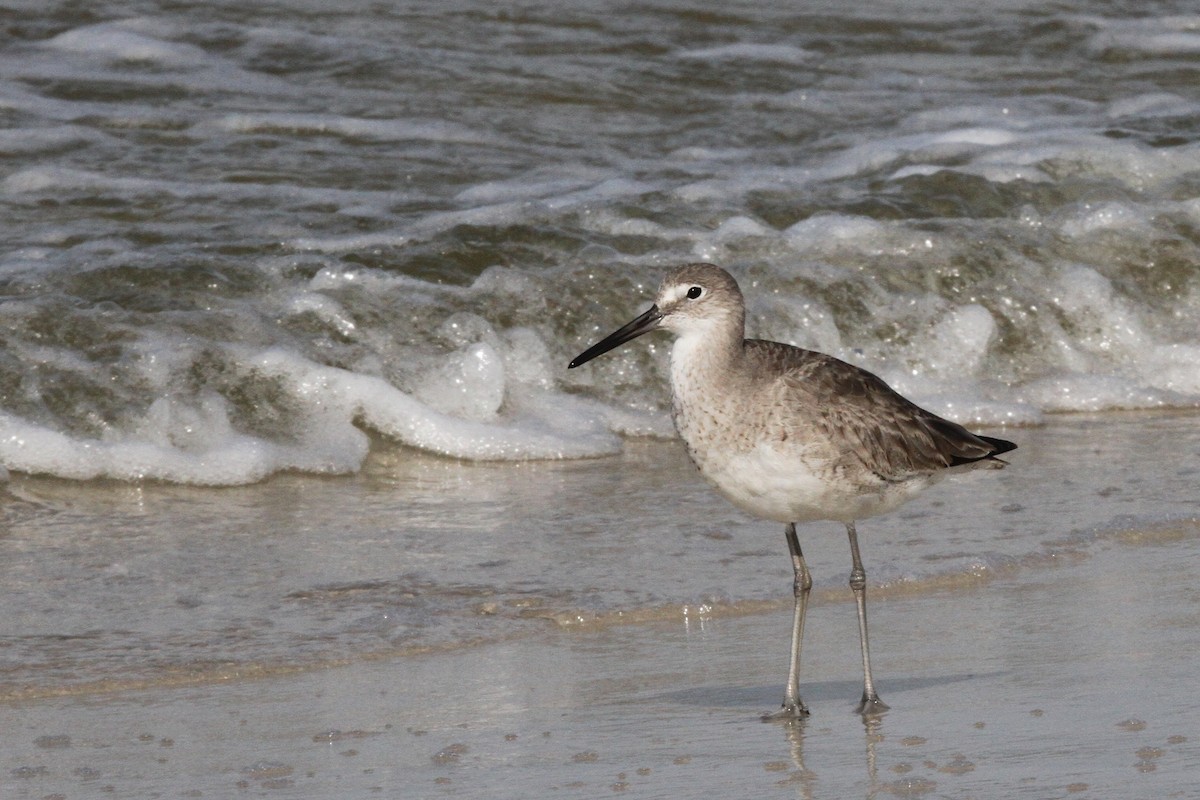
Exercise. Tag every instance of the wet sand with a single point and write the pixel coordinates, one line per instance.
(1076, 680)
(1067, 670)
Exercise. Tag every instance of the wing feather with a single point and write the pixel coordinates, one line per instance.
(869, 424)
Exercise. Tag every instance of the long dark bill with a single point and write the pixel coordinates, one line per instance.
(643, 324)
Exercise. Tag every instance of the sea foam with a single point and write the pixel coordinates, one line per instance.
(117, 43)
(237, 249)
(456, 414)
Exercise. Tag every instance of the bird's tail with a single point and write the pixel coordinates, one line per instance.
(998, 446)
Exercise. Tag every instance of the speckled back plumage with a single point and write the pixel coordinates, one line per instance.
(875, 426)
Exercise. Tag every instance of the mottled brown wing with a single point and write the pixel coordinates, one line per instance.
(871, 425)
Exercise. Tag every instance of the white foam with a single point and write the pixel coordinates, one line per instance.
(1110, 216)
(959, 342)
(708, 154)
(1177, 35)
(343, 244)
(493, 396)
(28, 141)
(1075, 392)
(779, 53)
(610, 223)
(738, 227)
(463, 328)
(606, 190)
(944, 369)
(469, 383)
(113, 42)
(36, 180)
(825, 230)
(713, 246)
(384, 130)
(184, 444)
(793, 318)
(384, 408)
(865, 157)
(1176, 368)
(527, 360)
(943, 145)
(1153, 104)
(541, 183)
(325, 308)
(139, 52)
(1105, 324)
(507, 212)
(836, 235)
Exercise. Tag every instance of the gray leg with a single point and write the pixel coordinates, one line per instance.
(793, 706)
(870, 704)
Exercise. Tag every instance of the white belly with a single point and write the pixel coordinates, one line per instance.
(785, 486)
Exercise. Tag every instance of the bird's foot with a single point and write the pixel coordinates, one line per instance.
(871, 706)
(790, 712)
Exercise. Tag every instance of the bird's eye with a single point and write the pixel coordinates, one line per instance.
(694, 292)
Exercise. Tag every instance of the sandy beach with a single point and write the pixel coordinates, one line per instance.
(1071, 682)
(1063, 672)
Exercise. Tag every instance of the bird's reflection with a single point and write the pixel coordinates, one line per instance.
(805, 779)
(873, 727)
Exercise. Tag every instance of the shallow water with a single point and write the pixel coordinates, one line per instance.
(237, 236)
(1064, 673)
(112, 586)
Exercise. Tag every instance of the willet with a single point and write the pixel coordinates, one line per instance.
(793, 435)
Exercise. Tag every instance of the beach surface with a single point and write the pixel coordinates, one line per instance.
(1064, 669)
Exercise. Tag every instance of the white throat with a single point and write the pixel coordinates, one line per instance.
(698, 355)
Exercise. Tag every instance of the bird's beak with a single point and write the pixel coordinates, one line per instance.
(643, 324)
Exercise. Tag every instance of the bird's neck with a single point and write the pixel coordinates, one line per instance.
(703, 358)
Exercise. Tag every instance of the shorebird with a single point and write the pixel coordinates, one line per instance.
(793, 435)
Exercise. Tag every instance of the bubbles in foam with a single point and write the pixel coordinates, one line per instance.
(43, 140)
(64, 181)
(1151, 36)
(353, 127)
(527, 359)
(786, 54)
(324, 308)
(381, 406)
(1151, 104)
(469, 383)
(114, 42)
(798, 320)
(491, 397)
(1176, 368)
(960, 341)
(1111, 216)
(226, 457)
(823, 231)
(1074, 392)
(1104, 324)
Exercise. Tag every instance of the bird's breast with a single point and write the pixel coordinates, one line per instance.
(768, 462)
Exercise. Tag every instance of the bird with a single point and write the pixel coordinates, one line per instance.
(793, 435)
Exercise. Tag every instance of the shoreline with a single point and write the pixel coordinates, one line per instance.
(990, 694)
(1031, 633)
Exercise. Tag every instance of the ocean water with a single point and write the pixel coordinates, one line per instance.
(334, 258)
(242, 239)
